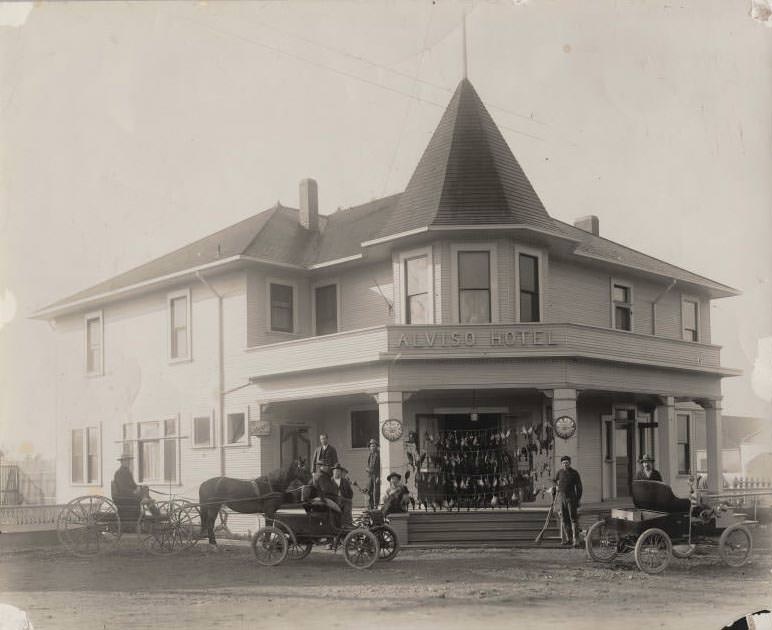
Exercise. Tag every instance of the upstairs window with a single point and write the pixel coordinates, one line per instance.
(689, 317)
(94, 344)
(326, 309)
(622, 304)
(528, 276)
(282, 308)
(474, 287)
(236, 428)
(179, 326)
(416, 290)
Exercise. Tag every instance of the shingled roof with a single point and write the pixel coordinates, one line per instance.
(467, 176)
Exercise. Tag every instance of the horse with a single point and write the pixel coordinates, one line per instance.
(264, 495)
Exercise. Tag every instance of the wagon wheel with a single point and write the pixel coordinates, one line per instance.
(269, 545)
(298, 550)
(360, 548)
(683, 552)
(735, 545)
(170, 530)
(388, 542)
(601, 542)
(652, 551)
(89, 525)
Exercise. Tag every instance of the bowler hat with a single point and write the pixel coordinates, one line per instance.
(339, 467)
(565, 458)
(397, 475)
(125, 457)
(646, 458)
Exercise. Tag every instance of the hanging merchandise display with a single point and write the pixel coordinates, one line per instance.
(476, 469)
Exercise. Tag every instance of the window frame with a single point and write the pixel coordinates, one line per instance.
(481, 246)
(136, 448)
(269, 320)
(616, 282)
(170, 297)
(321, 284)
(88, 317)
(210, 417)
(678, 443)
(693, 300)
(244, 440)
(351, 413)
(541, 274)
(404, 257)
(84, 464)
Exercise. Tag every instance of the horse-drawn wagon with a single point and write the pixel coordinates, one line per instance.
(662, 525)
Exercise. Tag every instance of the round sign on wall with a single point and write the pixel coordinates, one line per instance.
(392, 429)
(565, 427)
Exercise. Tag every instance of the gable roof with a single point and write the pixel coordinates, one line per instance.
(467, 176)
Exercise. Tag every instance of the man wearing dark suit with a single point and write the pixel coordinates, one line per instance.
(647, 471)
(373, 475)
(568, 486)
(345, 492)
(325, 456)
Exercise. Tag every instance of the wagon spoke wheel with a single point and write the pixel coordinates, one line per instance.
(735, 545)
(169, 528)
(360, 548)
(653, 550)
(601, 542)
(89, 525)
(299, 549)
(388, 542)
(269, 545)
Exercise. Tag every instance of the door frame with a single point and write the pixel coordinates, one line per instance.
(293, 428)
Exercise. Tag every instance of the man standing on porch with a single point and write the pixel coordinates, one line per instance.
(373, 475)
(569, 494)
(325, 456)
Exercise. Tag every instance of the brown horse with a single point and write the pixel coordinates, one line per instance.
(264, 495)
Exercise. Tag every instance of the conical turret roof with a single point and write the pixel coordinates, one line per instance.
(468, 176)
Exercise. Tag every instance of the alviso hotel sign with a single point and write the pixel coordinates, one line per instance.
(475, 339)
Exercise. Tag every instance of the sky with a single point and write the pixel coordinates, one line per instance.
(128, 130)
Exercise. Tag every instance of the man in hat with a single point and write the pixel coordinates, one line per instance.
(345, 492)
(568, 489)
(325, 456)
(124, 488)
(647, 471)
(373, 474)
(395, 498)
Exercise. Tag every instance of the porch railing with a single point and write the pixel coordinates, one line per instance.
(29, 514)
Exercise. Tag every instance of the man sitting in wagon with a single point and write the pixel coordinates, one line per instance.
(647, 471)
(345, 492)
(125, 491)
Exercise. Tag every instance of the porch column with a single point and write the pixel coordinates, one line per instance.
(392, 453)
(564, 404)
(666, 453)
(713, 444)
(267, 454)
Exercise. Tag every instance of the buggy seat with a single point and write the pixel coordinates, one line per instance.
(659, 497)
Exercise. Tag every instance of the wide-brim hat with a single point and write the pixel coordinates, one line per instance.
(565, 458)
(397, 475)
(372, 442)
(124, 457)
(646, 458)
(339, 467)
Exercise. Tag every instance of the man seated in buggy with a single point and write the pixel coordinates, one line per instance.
(658, 497)
(130, 498)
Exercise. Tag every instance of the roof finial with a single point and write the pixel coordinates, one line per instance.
(463, 35)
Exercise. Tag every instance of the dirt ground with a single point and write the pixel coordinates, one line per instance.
(448, 588)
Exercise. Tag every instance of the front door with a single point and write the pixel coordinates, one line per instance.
(624, 456)
(294, 443)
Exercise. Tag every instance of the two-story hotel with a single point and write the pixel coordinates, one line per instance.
(459, 304)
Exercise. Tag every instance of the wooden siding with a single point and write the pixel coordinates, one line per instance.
(577, 294)
(590, 447)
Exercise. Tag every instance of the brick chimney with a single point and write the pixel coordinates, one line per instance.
(589, 224)
(309, 205)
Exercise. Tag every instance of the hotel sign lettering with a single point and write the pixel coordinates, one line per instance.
(487, 339)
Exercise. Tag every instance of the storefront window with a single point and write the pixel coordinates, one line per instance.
(474, 288)
(326, 306)
(683, 444)
(416, 291)
(364, 427)
(529, 288)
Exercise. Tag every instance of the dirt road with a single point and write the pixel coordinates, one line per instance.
(451, 588)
